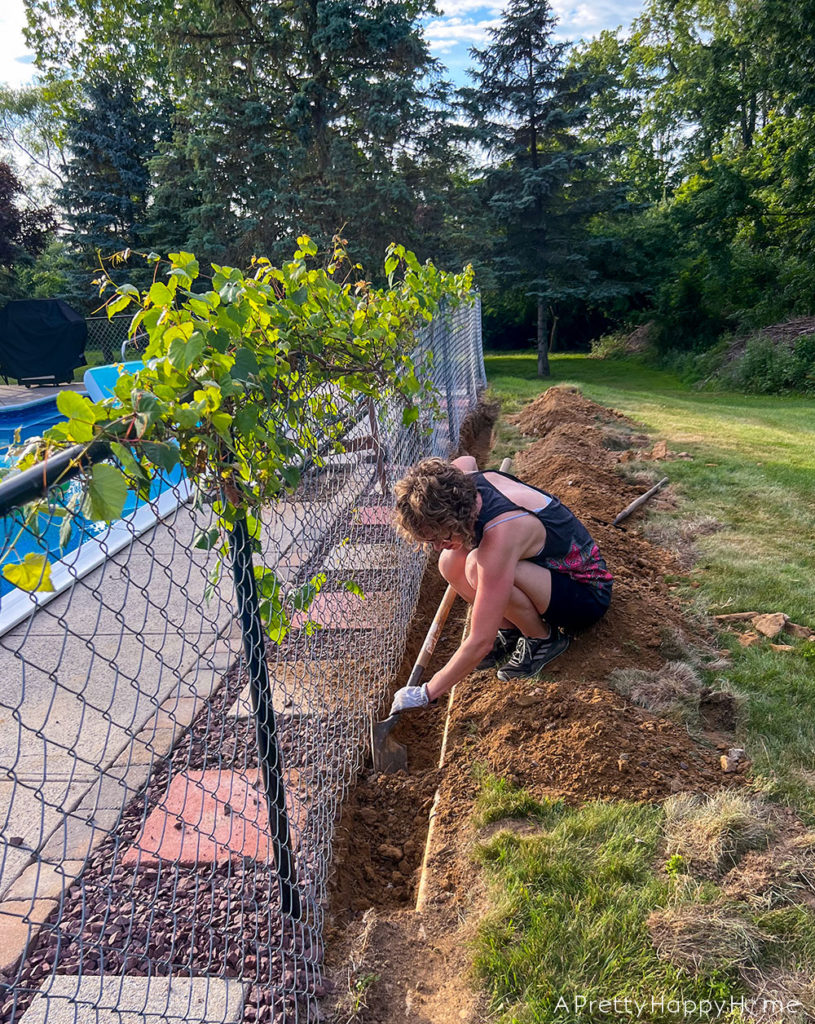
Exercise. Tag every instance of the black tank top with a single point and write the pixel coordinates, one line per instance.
(569, 547)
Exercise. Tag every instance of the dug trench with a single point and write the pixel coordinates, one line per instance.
(568, 735)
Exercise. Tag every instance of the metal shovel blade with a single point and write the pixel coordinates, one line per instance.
(388, 755)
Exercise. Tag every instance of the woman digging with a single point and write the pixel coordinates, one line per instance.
(525, 563)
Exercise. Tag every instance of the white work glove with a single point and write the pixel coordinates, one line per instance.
(410, 697)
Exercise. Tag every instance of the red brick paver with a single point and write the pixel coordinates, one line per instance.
(209, 817)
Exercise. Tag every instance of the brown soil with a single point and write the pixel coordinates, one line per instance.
(558, 406)
(475, 433)
(568, 735)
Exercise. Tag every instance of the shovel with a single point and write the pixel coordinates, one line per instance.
(388, 755)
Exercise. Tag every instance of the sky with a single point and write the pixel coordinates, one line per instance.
(463, 23)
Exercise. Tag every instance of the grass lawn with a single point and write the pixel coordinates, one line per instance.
(571, 904)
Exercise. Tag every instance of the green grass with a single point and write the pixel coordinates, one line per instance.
(753, 469)
(570, 925)
(569, 932)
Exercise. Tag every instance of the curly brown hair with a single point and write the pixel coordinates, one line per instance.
(435, 501)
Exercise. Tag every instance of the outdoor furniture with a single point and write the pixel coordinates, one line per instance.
(42, 341)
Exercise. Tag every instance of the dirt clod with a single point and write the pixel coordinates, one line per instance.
(770, 625)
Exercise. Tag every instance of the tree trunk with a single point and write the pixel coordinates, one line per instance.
(543, 342)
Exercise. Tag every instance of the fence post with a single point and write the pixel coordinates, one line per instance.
(260, 691)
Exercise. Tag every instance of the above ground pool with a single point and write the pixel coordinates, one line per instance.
(90, 543)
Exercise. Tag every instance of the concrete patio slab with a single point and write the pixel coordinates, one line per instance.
(46, 881)
(90, 1000)
(19, 394)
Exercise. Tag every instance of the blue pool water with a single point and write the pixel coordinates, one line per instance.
(43, 535)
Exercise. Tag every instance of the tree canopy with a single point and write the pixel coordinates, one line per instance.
(662, 172)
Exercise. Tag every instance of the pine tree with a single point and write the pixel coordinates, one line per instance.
(304, 117)
(545, 185)
(107, 180)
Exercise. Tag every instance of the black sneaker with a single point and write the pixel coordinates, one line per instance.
(531, 656)
(502, 649)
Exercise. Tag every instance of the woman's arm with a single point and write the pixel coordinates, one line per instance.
(496, 564)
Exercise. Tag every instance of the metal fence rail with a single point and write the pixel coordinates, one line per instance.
(170, 777)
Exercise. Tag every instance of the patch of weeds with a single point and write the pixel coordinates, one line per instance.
(680, 534)
(780, 876)
(634, 473)
(712, 832)
(499, 798)
(676, 865)
(362, 974)
(573, 905)
(674, 645)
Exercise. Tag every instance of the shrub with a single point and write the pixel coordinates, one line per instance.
(769, 367)
(610, 346)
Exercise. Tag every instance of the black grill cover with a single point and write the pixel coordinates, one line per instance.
(41, 339)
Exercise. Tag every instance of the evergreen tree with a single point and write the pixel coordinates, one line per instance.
(304, 116)
(548, 185)
(107, 180)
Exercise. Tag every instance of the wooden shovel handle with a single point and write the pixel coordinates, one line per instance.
(433, 634)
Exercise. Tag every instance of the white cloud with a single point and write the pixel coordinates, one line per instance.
(15, 58)
(465, 23)
(583, 20)
(453, 8)
(445, 35)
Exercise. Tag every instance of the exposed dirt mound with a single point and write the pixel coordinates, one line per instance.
(558, 406)
(577, 741)
(566, 736)
(572, 462)
(475, 434)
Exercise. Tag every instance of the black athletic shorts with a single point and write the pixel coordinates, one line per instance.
(575, 606)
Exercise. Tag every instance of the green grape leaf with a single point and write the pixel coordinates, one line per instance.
(106, 494)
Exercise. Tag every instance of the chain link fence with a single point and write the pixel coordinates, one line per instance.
(171, 777)
(110, 337)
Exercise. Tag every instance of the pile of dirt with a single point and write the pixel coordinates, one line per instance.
(577, 741)
(557, 406)
(475, 433)
(572, 462)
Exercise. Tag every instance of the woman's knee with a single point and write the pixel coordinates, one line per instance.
(451, 565)
(471, 568)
